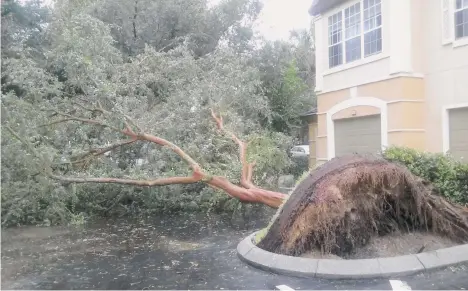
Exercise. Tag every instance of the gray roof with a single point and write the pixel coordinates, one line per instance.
(313, 111)
(321, 6)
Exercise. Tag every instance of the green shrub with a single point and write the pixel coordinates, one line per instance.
(449, 176)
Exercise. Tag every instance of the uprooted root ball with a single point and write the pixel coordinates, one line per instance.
(342, 204)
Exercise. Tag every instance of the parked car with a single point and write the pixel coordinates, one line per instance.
(300, 151)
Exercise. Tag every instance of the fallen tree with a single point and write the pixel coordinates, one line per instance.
(100, 117)
(337, 208)
(345, 202)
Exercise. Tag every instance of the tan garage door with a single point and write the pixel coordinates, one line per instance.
(358, 135)
(458, 132)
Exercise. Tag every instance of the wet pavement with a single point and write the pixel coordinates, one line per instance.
(178, 252)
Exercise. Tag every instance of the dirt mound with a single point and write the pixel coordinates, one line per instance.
(349, 200)
(391, 245)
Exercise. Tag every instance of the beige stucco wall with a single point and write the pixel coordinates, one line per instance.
(407, 139)
(400, 88)
(404, 97)
(406, 116)
(312, 144)
(356, 111)
(445, 72)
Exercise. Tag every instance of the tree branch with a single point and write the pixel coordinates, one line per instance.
(155, 182)
(98, 151)
(247, 168)
(247, 192)
(160, 141)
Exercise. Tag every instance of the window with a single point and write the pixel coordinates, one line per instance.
(335, 48)
(353, 32)
(461, 18)
(372, 27)
(362, 27)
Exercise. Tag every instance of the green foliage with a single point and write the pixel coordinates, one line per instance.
(449, 176)
(166, 79)
(287, 88)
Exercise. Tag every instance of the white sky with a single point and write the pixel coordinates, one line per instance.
(278, 17)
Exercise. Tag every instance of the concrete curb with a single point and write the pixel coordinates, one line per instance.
(350, 269)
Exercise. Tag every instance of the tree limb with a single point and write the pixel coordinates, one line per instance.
(247, 192)
(98, 151)
(155, 182)
(247, 168)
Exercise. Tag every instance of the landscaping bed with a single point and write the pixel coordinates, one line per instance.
(391, 245)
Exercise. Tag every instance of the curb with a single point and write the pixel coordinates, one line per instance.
(349, 269)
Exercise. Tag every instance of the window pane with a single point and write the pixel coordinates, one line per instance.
(372, 15)
(461, 23)
(335, 49)
(334, 28)
(353, 49)
(373, 42)
(335, 55)
(353, 21)
(460, 4)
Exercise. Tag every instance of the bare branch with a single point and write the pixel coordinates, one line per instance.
(160, 141)
(91, 109)
(83, 157)
(247, 169)
(247, 192)
(69, 117)
(23, 141)
(155, 182)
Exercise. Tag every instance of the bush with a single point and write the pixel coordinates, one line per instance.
(299, 165)
(449, 176)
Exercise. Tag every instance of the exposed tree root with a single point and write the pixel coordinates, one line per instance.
(349, 199)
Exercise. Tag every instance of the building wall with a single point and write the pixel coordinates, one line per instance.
(416, 75)
(404, 102)
(396, 58)
(445, 72)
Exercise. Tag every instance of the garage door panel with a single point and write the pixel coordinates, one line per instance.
(458, 132)
(357, 135)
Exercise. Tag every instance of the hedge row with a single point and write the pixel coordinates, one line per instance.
(448, 175)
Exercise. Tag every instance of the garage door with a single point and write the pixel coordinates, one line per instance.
(458, 132)
(358, 135)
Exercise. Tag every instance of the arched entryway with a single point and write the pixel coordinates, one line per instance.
(348, 133)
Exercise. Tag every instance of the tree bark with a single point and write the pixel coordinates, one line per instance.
(246, 192)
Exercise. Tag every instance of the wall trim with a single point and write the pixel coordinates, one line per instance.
(407, 130)
(390, 102)
(400, 37)
(354, 64)
(357, 101)
(445, 125)
(394, 76)
(406, 100)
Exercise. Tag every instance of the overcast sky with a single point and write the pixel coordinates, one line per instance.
(278, 17)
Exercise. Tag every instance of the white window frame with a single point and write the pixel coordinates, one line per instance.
(362, 34)
(373, 29)
(455, 10)
(448, 10)
(330, 36)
